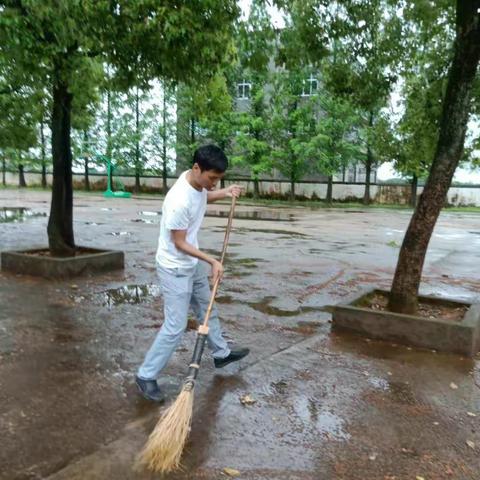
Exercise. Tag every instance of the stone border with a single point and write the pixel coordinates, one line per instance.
(96, 260)
(434, 333)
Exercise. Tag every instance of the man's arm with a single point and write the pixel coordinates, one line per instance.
(180, 242)
(231, 191)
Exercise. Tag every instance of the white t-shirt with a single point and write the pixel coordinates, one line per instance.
(183, 209)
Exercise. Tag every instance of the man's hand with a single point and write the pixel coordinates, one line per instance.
(217, 270)
(234, 190)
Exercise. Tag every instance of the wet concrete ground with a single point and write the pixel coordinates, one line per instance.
(328, 406)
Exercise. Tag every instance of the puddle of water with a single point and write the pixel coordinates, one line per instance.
(264, 306)
(130, 294)
(142, 220)
(119, 234)
(287, 233)
(17, 214)
(280, 387)
(147, 213)
(224, 299)
(379, 383)
(326, 422)
(402, 393)
(263, 215)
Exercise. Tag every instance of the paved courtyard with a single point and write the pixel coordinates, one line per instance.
(327, 406)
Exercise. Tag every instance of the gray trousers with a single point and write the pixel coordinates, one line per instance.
(182, 288)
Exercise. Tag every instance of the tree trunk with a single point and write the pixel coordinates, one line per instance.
(256, 188)
(164, 177)
(4, 171)
(368, 166)
(108, 152)
(329, 189)
(453, 126)
(192, 131)
(85, 160)
(164, 143)
(292, 190)
(137, 143)
(21, 177)
(60, 223)
(413, 191)
(44, 163)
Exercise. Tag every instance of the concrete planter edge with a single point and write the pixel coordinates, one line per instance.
(456, 337)
(96, 261)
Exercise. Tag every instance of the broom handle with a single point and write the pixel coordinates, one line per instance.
(224, 251)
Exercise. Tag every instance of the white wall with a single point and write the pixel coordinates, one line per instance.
(468, 196)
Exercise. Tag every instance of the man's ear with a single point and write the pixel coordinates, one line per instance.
(196, 167)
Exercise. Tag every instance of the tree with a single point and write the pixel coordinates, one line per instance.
(199, 107)
(17, 125)
(252, 147)
(358, 43)
(453, 125)
(368, 52)
(429, 33)
(161, 136)
(58, 44)
(292, 126)
(336, 142)
(256, 49)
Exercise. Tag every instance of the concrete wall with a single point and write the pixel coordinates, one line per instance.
(391, 194)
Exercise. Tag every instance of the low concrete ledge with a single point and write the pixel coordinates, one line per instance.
(89, 260)
(434, 333)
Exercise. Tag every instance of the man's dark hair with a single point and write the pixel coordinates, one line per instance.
(210, 157)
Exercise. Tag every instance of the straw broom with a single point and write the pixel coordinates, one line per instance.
(164, 447)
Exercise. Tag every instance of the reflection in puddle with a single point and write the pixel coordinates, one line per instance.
(17, 214)
(263, 215)
(129, 294)
(327, 423)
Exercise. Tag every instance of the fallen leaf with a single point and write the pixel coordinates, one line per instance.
(471, 414)
(453, 386)
(231, 472)
(418, 477)
(247, 400)
(470, 444)
(372, 457)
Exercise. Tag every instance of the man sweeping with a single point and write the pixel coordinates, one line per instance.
(182, 267)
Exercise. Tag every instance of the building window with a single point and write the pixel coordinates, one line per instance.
(243, 89)
(310, 86)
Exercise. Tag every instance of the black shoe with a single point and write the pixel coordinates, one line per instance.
(233, 357)
(149, 389)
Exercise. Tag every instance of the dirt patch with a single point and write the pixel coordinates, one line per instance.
(452, 312)
(45, 252)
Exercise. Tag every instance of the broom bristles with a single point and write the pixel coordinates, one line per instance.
(164, 447)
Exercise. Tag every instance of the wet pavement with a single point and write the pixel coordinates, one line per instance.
(327, 406)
